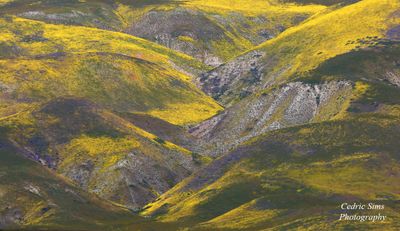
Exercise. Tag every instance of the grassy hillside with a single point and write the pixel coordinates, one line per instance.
(61, 88)
(101, 152)
(309, 73)
(377, 64)
(332, 34)
(302, 48)
(211, 31)
(36, 198)
(42, 61)
(311, 120)
(295, 178)
(323, 2)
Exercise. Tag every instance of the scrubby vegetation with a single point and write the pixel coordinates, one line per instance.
(36, 198)
(94, 120)
(294, 177)
(235, 25)
(118, 71)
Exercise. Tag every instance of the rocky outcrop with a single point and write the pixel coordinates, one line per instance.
(78, 139)
(393, 77)
(212, 36)
(135, 179)
(293, 104)
(181, 29)
(100, 16)
(221, 80)
(206, 36)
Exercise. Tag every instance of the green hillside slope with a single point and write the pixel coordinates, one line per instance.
(42, 61)
(340, 108)
(265, 88)
(94, 120)
(211, 31)
(61, 88)
(34, 197)
(295, 178)
(101, 152)
(302, 48)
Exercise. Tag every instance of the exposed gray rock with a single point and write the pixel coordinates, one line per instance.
(134, 180)
(11, 217)
(99, 16)
(81, 173)
(293, 104)
(7, 88)
(393, 77)
(59, 16)
(33, 189)
(168, 27)
(221, 80)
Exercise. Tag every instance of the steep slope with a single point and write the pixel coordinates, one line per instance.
(98, 14)
(96, 149)
(35, 198)
(215, 31)
(42, 61)
(211, 31)
(101, 152)
(296, 178)
(302, 48)
(265, 89)
(320, 133)
(164, 130)
(312, 120)
(61, 88)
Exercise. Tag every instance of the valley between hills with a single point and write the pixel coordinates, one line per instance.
(198, 114)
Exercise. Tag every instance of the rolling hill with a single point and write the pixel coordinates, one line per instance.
(265, 88)
(34, 197)
(294, 178)
(211, 31)
(62, 88)
(42, 61)
(317, 128)
(224, 115)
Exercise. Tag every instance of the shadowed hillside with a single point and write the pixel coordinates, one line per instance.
(211, 31)
(60, 87)
(224, 115)
(294, 178)
(101, 152)
(35, 197)
(312, 132)
(265, 89)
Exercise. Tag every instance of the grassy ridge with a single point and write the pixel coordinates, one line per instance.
(60, 86)
(304, 47)
(124, 73)
(37, 198)
(239, 23)
(297, 178)
(312, 168)
(99, 150)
